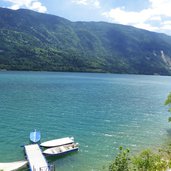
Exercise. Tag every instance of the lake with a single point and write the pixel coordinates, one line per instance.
(101, 111)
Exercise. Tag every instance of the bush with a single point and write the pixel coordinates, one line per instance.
(121, 162)
(149, 161)
(145, 161)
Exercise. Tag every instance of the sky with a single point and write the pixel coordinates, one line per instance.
(152, 15)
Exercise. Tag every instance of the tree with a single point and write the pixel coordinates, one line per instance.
(168, 102)
(121, 162)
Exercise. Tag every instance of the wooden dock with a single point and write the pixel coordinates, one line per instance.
(36, 159)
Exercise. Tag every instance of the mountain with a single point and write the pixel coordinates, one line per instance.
(35, 41)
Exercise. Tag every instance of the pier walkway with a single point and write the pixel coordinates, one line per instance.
(36, 160)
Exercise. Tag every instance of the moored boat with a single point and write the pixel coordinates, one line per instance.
(12, 166)
(57, 142)
(35, 136)
(61, 150)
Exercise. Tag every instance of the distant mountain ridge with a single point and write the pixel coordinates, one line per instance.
(35, 41)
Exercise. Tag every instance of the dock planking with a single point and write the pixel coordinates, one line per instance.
(36, 159)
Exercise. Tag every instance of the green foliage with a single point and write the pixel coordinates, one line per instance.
(145, 161)
(169, 119)
(121, 162)
(34, 41)
(149, 161)
(168, 102)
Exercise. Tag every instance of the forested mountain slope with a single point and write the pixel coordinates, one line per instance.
(35, 41)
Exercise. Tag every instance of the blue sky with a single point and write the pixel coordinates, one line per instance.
(153, 15)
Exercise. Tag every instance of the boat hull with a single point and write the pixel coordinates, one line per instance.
(13, 165)
(61, 154)
(57, 142)
(61, 150)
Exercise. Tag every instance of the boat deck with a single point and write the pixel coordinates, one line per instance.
(36, 159)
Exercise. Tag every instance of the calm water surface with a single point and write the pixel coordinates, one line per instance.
(102, 112)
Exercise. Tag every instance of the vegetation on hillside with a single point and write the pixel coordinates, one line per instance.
(145, 161)
(35, 41)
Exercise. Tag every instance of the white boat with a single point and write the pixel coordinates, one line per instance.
(13, 165)
(57, 142)
(61, 150)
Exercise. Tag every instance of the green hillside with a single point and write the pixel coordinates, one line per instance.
(35, 41)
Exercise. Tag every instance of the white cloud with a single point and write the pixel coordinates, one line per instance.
(157, 11)
(167, 22)
(146, 26)
(37, 6)
(92, 3)
(81, 2)
(121, 16)
(156, 18)
(166, 25)
(15, 7)
(29, 4)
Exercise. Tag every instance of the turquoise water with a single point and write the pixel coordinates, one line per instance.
(102, 112)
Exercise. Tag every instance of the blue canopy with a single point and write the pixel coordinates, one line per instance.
(35, 136)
